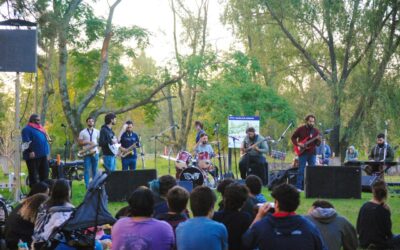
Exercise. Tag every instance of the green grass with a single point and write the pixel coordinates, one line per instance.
(346, 207)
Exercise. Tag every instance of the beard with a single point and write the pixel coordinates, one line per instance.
(205, 142)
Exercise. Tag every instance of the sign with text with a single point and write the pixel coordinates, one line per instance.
(237, 126)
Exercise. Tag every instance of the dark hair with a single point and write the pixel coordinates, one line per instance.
(379, 190)
(198, 123)
(202, 200)
(50, 183)
(250, 129)
(129, 122)
(141, 202)
(381, 135)
(123, 212)
(254, 183)
(223, 184)
(308, 117)
(287, 196)
(109, 117)
(38, 188)
(89, 118)
(59, 193)
(177, 198)
(33, 117)
(202, 135)
(234, 197)
(166, 183)
(322, 204)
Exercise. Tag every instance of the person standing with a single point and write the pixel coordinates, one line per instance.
(199, 128)
(35, 138)
(128, 139)
(306, 138)
(107, 140)
(252, 150)
(88, 139)
(382, 151)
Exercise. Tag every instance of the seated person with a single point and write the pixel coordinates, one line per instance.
(235, 221)
(351, 154)
(221, 189)
(160, 189)
(53, 213)
(374, 225)
(337, 232)
(177, 199)
(283, 229)
(140, 231)
(254, 184)
(323, 154)
(201, 232)
(20, 223)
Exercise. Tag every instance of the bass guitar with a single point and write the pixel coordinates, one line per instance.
(306, 142)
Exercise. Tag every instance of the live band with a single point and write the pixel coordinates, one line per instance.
(199, 165)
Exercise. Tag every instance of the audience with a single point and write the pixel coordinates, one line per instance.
(283, 229)
(53, 213)
(140, 231)
(221, 189)
(160, 189)
(177, 199)
(254, 184)
(337, 232)
(235, 221)
(21, 221)
(201, 232)
(39, 188)
(374, 225)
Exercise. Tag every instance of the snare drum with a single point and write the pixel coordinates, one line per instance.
(204, 161)
(198, 177)
(183, 160)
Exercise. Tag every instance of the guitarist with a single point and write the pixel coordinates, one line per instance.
(252, 150)
(299, 138)
(129, 138)
(107, 137)
(88, 137)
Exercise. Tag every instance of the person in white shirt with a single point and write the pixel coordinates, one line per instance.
(88, 139)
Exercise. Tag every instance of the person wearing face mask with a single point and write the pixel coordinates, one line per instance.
(306, 138)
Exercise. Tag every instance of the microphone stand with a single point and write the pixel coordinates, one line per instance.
(155, 138)
(66, 144)
(234, 139)
(216, 132)
(141, 152)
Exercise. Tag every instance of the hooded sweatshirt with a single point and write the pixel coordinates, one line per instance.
(287, 232)
(336, 230)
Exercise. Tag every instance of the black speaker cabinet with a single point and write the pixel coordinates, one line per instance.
(18, 50)
(121, 184)
(333, 182)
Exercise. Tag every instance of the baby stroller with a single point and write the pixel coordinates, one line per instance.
(92, 212)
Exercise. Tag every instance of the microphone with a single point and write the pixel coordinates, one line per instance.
(176, 126)
(63, 125)
(234, 138)
(327, 131)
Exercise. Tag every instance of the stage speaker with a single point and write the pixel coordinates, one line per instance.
(121, 184)
(18, 50)
(367, 182)
(333, 182)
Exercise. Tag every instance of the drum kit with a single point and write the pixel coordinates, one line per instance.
(199, 170)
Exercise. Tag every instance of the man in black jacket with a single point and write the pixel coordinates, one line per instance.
(108, 141)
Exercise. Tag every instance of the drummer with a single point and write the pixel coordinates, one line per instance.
(203, 146)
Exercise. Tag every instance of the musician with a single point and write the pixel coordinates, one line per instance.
(382, 151)
(199, 128)
(37, 153)
(253, 154)
(203, 146)
(88, 139)
(128, 139)
(107, 139)
(300, 136)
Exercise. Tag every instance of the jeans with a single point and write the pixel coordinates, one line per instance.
(129, 163)
(109, 162)
(38, 170)
(90, 163)
(303, 160)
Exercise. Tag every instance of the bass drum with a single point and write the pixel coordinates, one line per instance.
(198, 177)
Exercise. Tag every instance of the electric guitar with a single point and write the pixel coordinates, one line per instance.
(307, 141)
(247, 149)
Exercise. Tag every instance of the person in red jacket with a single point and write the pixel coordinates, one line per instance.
(305, 139)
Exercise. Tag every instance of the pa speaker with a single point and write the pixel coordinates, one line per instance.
(121, 184)
(18, 50)
(333, 182)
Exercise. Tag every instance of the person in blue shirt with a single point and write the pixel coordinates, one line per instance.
(327, 153)
(201, 232)
(36, 143)
(129, 138)
(199, 128)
